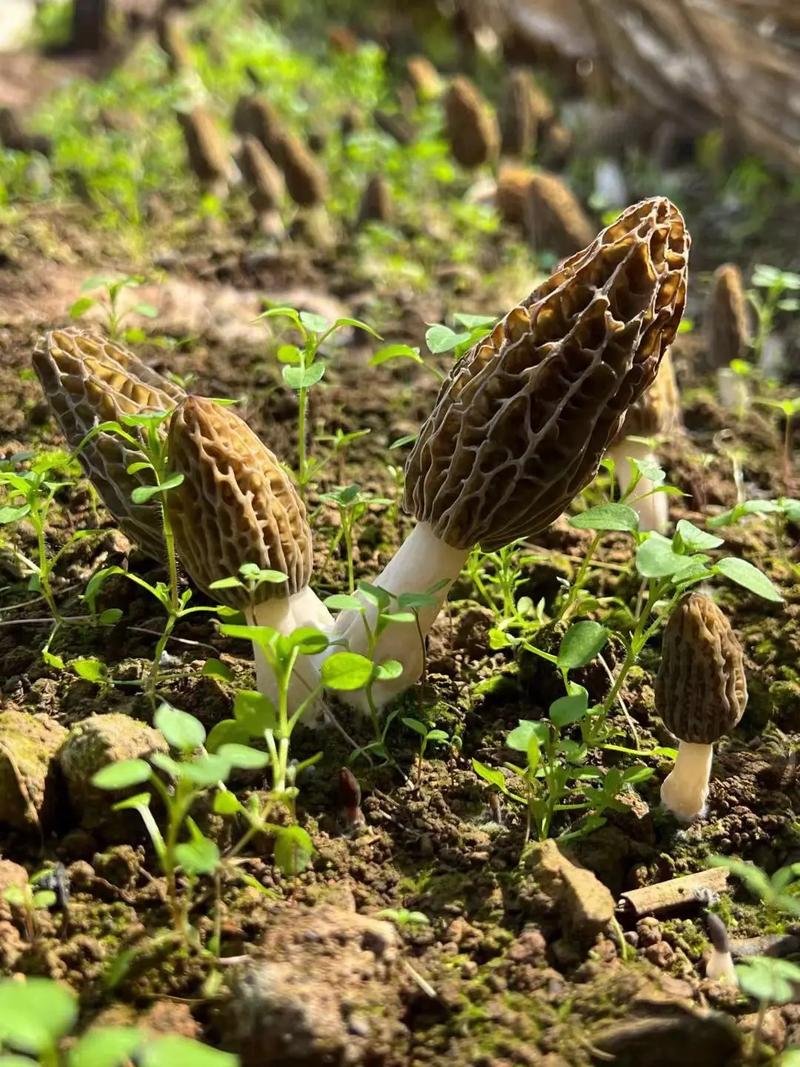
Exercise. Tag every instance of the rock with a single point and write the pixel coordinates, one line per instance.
(585, 904)
(670, 1035)
(772, 1030)
(28, 747)
(12, 875)
(322, 994)
(94, 743)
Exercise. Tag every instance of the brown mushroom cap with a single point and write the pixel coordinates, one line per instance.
(207, 154)
(701, 689)
(725, 323)
(524, 418)
(235, 505)
(554, 217)
(261, 174)
(658, 409)
(88, 380)
(471, 124)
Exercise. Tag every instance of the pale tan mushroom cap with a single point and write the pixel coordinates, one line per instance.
(524, 418)
(701, 689)
(88, 380)
(235, 505)
(658, 409)
(726, 325)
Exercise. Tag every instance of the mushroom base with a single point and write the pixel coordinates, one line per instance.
(720, 968)
(421, 562)
(652, 508)
(685, 789)
(286, 614)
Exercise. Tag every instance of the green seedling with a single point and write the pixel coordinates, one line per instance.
(403, 917)
(773, 291)
(37, 1015)
(440, 338)
(788, 408)
(303, 368)
(107, 297)
(428, 735)
(497, 576)
(31, 898)
(29, 496)
(152, 441)
(352, 505)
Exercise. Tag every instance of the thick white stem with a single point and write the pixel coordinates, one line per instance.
(653, 509)
(685, 789)
(720, 967)
(422, 561)
(734, 393)
(286, 614)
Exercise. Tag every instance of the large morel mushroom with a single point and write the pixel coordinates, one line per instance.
(701, 693)
(237, 505)
(88, 380)
(524, 418)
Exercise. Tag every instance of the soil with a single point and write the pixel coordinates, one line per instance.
(499, 974)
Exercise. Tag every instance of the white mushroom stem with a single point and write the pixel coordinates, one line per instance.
(652, 508)
(733, 389)
(286, 614)
(685, 788)
(720, 967)
(422, 561)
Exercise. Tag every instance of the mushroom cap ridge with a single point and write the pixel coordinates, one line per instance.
(235, 505)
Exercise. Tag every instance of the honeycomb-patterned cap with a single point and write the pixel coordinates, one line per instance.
(88, 380)
(658, 409)
(725, 321)
(701, 689)
(235, 505)
(523, 419)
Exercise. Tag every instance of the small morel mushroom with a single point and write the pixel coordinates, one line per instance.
(254, 115)
(727, 334)
(554, 218)
(720, 963)
(518, 115)
(726, 327)
(656, 413)
(512, 192)
(305, 180)
(237, 505)
(424, 78)
(701, 692)
(208, 157)
(376, 203)
(88, 380)
(471, 125)
(265, 182)
(172, 41)
(523, 419)
(395, 124)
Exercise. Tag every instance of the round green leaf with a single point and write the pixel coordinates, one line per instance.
(174, 1050)
(303, 377)
(122, 775)
(182, 730)
(580, 644)
(244, 757)
(108, 1046)
(346, 671)
(749, 577)
(35, 1013)
(607, 517)
(293, 850)
(569, 709)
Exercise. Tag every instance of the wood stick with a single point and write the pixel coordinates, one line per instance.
(678, 894)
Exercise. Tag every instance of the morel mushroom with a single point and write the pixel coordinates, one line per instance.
(524, 418)
(727, 334)
(720, 966)
(656, 413)
(237, 505)
(207, 155)
(471, 124)
(88, 380)
(265, 183)
(701, 693)
(554, 218)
